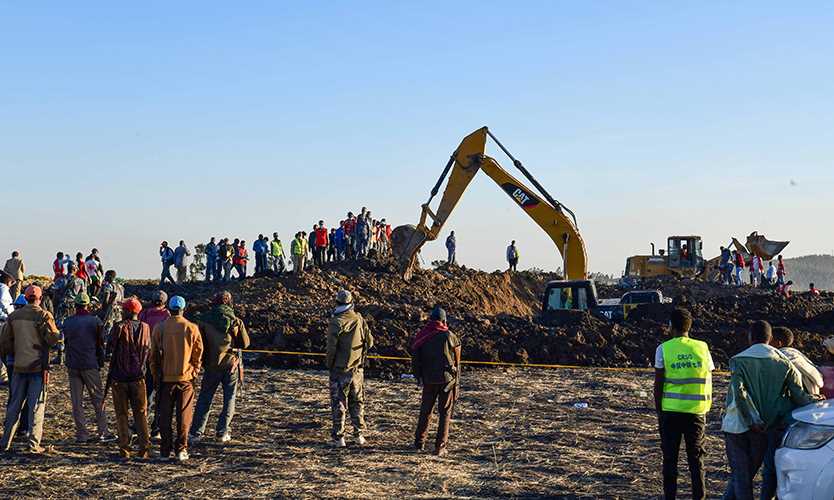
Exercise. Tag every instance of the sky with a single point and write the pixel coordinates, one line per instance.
(126, 123)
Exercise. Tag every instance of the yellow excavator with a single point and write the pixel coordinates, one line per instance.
(575, 292)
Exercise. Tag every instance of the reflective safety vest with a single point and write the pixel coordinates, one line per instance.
(687, 383)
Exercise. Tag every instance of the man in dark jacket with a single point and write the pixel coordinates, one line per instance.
(130, 348)
(84, 339)
(348, 342)
(435, 362)
(223, 334)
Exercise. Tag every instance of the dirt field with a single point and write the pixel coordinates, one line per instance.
(516, 433)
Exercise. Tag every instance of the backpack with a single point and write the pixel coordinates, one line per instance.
(131, 350)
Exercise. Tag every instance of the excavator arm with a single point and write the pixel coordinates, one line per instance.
(469, 158)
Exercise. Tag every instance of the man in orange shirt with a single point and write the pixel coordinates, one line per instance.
(176, 354)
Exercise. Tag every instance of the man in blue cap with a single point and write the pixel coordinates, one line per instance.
(435, 360)
(176, 358)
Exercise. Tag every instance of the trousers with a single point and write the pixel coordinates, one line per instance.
(131, 396)
(745, 453)
(673, 426)
(347, 393)
(29, 388)
(435, 394)
(211, 381)
(79, 380)
(175, 398)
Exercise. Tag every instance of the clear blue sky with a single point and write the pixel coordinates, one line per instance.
(122, 124)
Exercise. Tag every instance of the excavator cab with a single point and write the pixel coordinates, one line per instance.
(578, 295)
(685, 252)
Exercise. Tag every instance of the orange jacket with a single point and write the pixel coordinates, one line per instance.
(176, 350)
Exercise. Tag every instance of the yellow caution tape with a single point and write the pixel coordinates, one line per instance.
(468, 362)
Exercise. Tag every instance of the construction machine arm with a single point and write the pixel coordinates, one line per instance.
(462, 167)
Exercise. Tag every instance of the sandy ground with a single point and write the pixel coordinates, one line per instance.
(516, 433)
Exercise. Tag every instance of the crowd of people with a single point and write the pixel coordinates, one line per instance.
(732, 264)
(768, 380)
(356, 237)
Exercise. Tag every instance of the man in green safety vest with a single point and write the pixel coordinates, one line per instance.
(683, 396)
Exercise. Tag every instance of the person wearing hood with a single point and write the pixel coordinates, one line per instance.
(348, 341)
(764, 390)
(223, 335)
(435, 362)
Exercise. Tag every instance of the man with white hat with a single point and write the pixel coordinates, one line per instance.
(348, 342)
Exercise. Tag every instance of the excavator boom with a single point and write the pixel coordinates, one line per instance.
(466, 161)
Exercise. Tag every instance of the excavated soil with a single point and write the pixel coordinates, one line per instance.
(495, 315)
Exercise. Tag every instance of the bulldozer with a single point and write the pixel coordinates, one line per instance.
(683, 257)
(574, 293)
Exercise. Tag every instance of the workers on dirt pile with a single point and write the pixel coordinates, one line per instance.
(181, 254)
(166, 254)
(276, 250)
(764, 389)
(297, 254)
(176, 357)
(683, 397)
(348, 341)
(813, 291)
(67, 289)
(756, 268)
(112, 294)
(6, 308)
(451, 246)
(780, 270)
(27, 335)
(738, 261)
(84, 339)
(211, 260)
(130, 351)
(224, 334)
(725, 266)
(17, 269)
(435, 362)
(154, 315)
(512, 256)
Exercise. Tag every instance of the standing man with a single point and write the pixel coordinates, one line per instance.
(350, 236)
(153, 316)
(348, 342)
(166, 254)
(764, 389)
(112, 294)
(780, 271)
(17, 268)
(211, 260)
(770, 275)
(73, 286)
(451, 246)
(259, 247)
(297, 253)
(223, 335)
(59, 266)
(27, 335)
(739, 263)
(435, 362)
(682, 398)
(181, 254)
(756, 268)
(322, 240)
(226, 253)
(130, 351)
(242, 259)
(176, 352)
(84, 339)
(512, 256)
(278, 255)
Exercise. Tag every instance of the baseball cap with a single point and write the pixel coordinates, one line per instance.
(132, 305)
(344, 297)
(176, 303)
(82, 299)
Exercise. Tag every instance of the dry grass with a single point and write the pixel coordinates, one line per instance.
(516, 433)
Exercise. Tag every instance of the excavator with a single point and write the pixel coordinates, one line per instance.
(575, 292)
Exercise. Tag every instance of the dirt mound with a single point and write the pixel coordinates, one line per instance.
(494, 313)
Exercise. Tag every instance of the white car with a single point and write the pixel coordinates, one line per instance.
(805, 462)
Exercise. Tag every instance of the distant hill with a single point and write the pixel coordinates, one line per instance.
(816, 269)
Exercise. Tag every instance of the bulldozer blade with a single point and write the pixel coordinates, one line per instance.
(763, 247)
(406, 242)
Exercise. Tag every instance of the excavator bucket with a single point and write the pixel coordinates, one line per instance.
(763, 247)
(405, 244)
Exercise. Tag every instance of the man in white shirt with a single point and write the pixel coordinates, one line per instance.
(6, 308)
(811, 376)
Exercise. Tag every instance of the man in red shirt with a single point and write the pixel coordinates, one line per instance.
(780, 271)
(814, 291)
(322, 240)
(59, 266)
